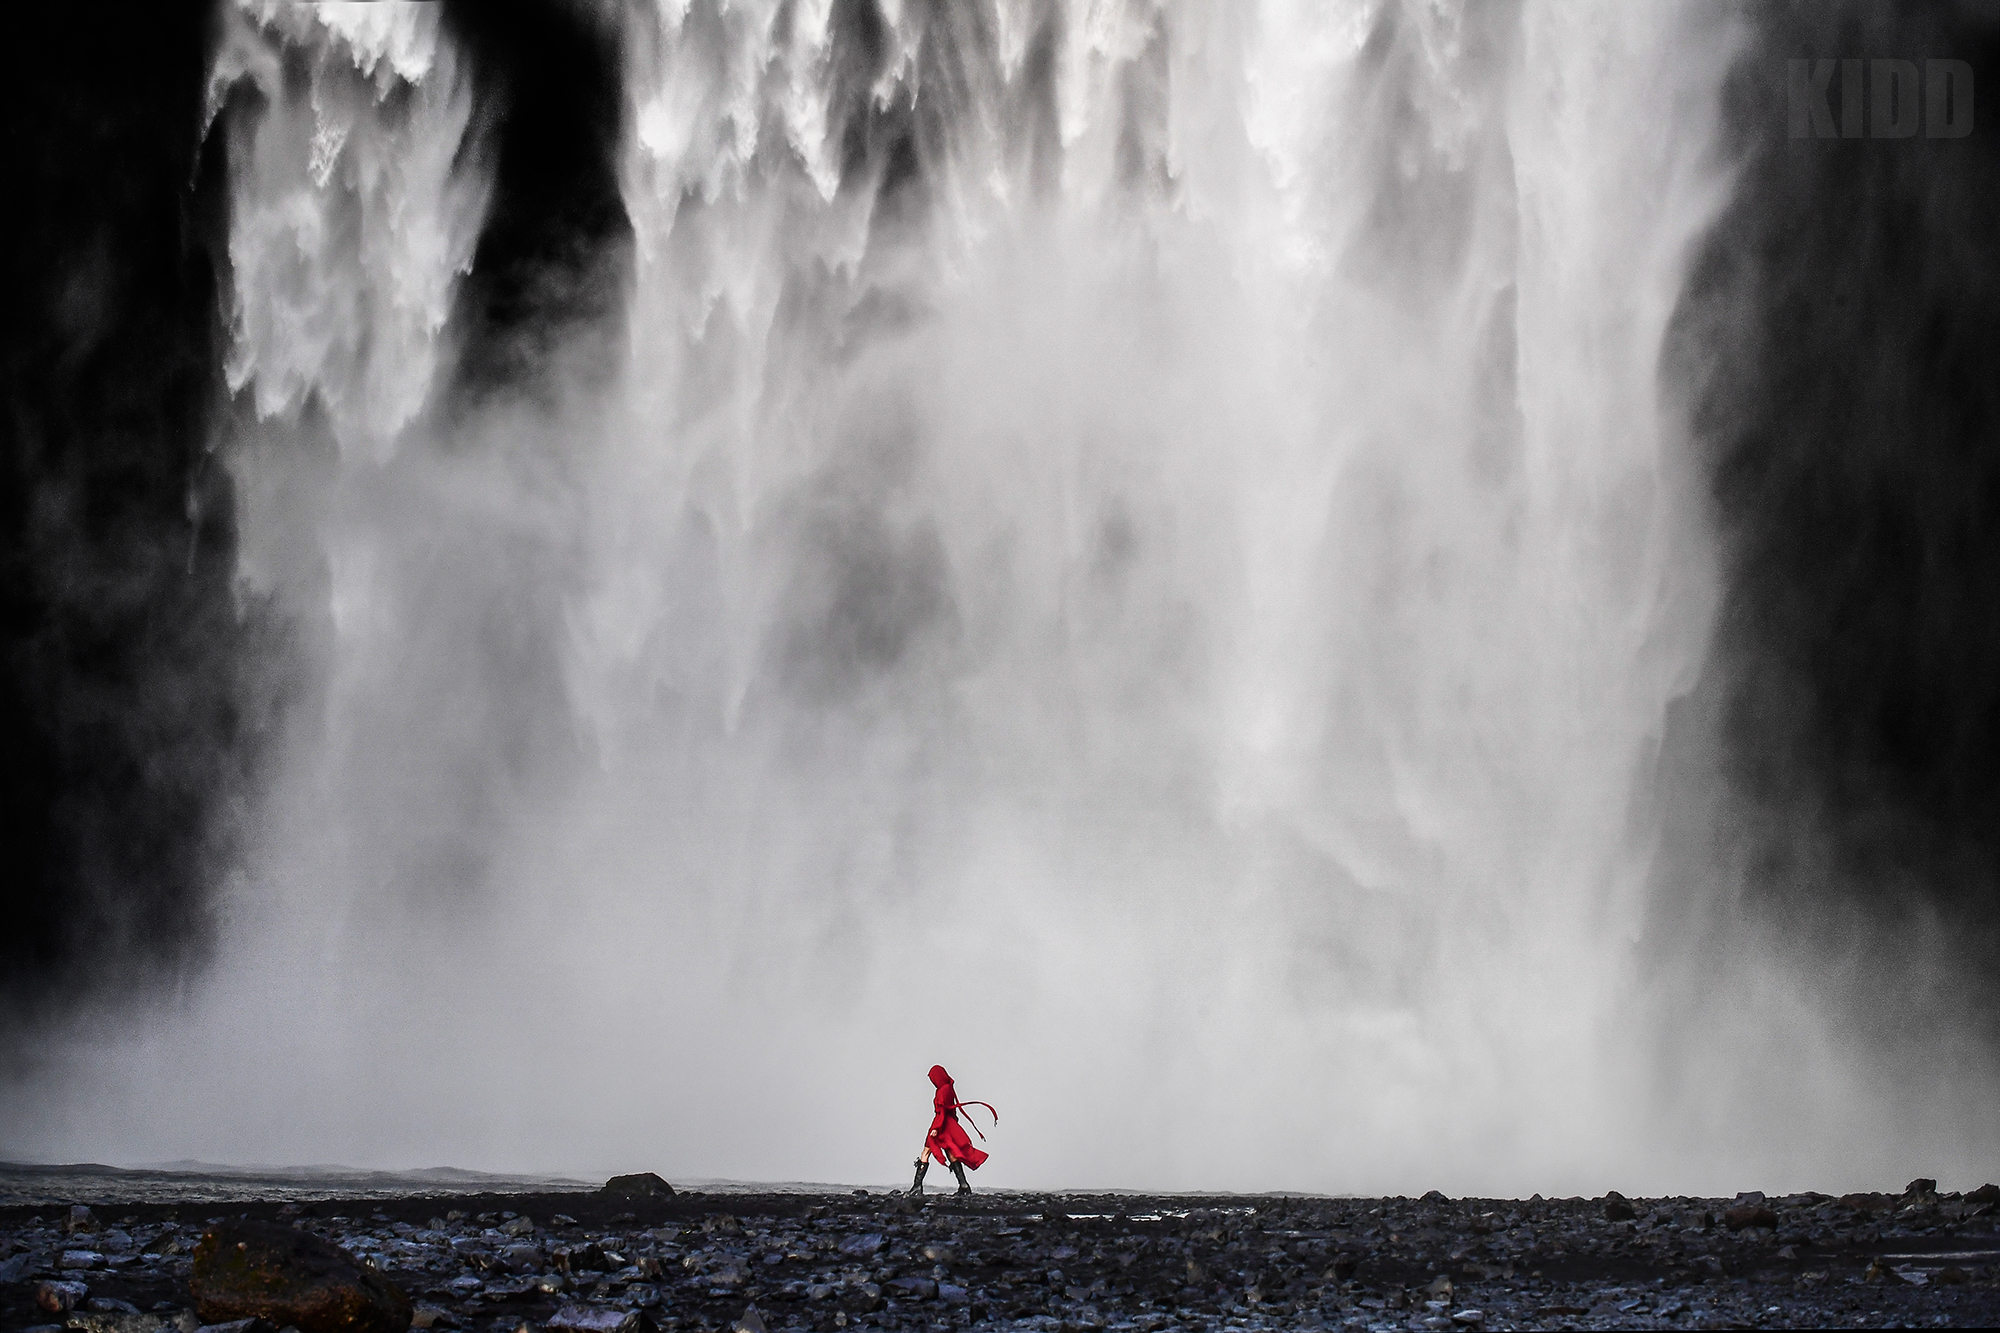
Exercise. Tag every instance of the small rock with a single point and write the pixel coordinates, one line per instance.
(431, 1316)
(579, 1259)
(1750, 1198)
(1748, 1215)
(289, 1277)
(239, 1326)
(1920, 1186)
(861, 1247)
(819, 1291)
(751, 1322)
(80, 1219)
(643, 1185)
(180, 1321)
(80, 1259)
(521, 1259)
(60, 1297)
(1434, 1196)
(952, 1294)
(1439, 1290)
(520, 1226)
(1984, 1194)
(1469, 1318)
(84, 1321)
(598, 1319)
(1616, 1209)
(109, 1305)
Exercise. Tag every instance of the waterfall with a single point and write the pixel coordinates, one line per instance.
(1137, 548)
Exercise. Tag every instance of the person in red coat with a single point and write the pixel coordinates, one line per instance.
(947, 1140)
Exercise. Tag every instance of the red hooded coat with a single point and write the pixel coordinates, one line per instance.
(948, 1141)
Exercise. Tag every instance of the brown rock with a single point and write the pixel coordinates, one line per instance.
(1749, 1215)
(1617, 1209)
(1984, 1194)
(286, 1277)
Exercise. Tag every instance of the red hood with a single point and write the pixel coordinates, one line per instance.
(939, 1078)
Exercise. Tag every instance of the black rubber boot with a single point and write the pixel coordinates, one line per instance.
(917, 1185)
(964, 1186)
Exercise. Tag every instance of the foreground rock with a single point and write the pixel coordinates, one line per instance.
(286, 1277)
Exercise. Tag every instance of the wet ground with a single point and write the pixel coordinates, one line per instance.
(852, 1260)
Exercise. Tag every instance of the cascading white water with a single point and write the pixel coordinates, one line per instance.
(1170, 615)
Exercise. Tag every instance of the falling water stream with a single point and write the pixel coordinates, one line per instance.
(1137, 548)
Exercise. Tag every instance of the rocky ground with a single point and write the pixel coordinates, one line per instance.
(598, 1263)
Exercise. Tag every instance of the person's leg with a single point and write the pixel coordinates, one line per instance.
(917, 1185)
(964, 1185)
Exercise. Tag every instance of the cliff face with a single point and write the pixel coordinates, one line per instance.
(139, 684)
(1835, 345)
(120, 713)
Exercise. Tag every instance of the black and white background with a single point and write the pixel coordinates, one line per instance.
(1403, 590)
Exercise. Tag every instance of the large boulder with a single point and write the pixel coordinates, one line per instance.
(1749, 1215)
(644, 1185)
(285, 1276)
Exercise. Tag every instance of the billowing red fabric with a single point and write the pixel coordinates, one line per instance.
(948, 1141)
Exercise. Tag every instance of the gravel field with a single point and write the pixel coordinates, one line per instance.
(597, 1263)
